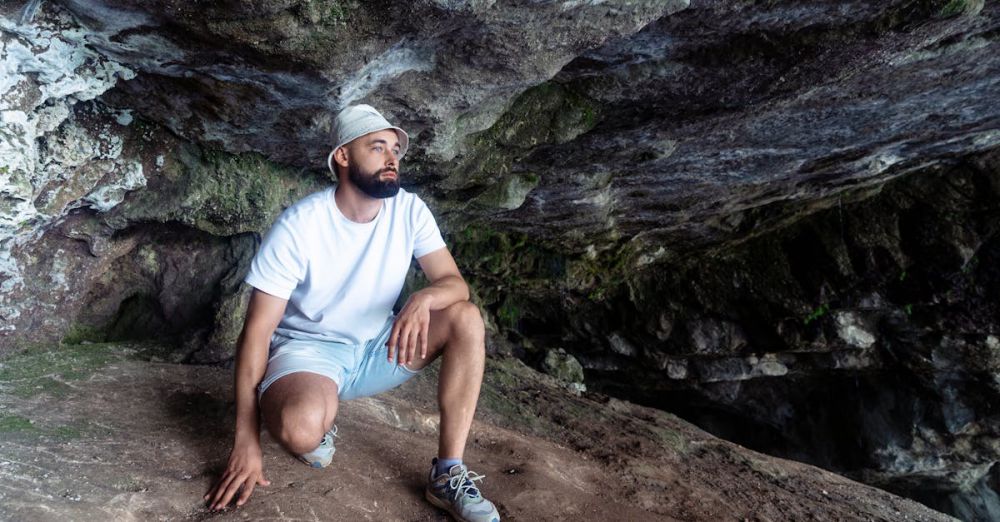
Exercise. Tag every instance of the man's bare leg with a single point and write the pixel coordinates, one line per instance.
(457, 334)
(298, 409)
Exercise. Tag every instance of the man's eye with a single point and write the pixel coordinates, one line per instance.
(378, 148)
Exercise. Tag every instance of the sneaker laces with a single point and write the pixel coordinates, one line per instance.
(328, 436)
(464, 483)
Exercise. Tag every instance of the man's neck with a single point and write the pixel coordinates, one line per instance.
(354, 204)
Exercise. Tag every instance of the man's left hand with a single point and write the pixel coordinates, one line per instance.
(409, 331)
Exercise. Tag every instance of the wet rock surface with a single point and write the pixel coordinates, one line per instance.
(99, 431)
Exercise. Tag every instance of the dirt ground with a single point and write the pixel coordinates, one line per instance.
(101, 432)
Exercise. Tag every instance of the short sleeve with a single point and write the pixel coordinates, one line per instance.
(428, 236)
(279, 265)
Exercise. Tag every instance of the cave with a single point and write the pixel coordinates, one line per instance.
(760, 236)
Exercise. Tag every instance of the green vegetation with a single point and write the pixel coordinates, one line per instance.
(338, 12)
(515, 277)
(10, 423)
(544, 114)
(960, 7)
(80, 333)
(817, 312)
(221, 193)
(509, 314)
(44, 372)
(15, 424)
(48, 369)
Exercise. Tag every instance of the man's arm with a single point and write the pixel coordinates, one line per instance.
(245, 468)
(447, 287)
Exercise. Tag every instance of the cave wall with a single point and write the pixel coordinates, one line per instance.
(778, 219)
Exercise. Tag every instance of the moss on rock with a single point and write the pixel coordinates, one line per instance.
(549, 113)
(220, 193)
(47, 369)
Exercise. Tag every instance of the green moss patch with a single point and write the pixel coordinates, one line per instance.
(51, 370)
(15, 425)
(549, 113)
(10, 423)
(220, 193)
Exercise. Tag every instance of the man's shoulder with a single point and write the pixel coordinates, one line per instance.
(407, 201)
(307, 207)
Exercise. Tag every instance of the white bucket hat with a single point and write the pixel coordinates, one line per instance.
(357, 120)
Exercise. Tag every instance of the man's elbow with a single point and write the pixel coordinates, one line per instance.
(466, 294)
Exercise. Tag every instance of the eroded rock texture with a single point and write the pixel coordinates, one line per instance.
(776, 218)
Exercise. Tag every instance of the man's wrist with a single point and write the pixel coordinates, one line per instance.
(246, 435)
(424, 297)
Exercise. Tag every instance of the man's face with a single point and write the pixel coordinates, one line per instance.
(373, 164)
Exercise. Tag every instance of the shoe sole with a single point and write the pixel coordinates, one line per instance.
(317, 464)
(438, 503)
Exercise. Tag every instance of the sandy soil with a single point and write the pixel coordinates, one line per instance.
(101, 433)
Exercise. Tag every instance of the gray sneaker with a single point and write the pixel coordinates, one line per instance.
(323, 454)
(456, 492)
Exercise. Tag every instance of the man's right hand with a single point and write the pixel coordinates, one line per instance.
(245, 470)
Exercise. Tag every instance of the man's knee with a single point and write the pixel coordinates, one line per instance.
(466, 320)
(301, 430)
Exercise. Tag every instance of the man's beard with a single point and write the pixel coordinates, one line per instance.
(370, 184)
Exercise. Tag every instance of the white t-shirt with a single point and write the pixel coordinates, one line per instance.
(340, 277)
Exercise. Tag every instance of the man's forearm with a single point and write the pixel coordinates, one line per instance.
(251, 362)
(445, 292)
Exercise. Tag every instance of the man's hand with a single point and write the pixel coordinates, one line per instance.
(409, 331)
(245, 470)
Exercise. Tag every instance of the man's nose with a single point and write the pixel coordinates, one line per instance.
(391, 158)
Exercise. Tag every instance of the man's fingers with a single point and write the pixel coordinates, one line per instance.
(423, 341)
(411, 348)
(263, 481)
(220, 487)
(404, 346)
(404, 341)
(393, 338)
(234, 486)
(247, 490)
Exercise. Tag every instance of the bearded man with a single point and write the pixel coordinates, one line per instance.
(320, 329)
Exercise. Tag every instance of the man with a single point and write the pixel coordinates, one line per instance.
(319, 326)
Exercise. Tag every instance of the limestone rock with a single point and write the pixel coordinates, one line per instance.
(562, 366)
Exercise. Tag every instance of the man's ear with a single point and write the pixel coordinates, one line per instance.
(340, 157)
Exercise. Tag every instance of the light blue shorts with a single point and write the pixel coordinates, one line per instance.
(360, 370)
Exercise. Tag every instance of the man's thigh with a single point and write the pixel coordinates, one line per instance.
(375, 373)
(460, 321)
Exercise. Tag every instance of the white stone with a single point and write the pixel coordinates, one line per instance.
(106, 197)
(54, 62)
(124, 117)
(400, 58)
(677, 369)
(851, 331)
(621, 346)
(59, 270)
(770, 366)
